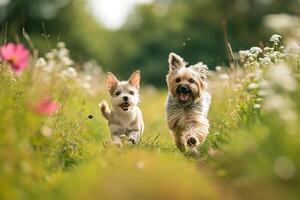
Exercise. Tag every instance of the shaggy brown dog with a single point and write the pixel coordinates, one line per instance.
(188, 103)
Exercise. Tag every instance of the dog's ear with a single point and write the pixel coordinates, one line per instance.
(175, 61)
(135, 79)
(112, 81)
(201, 69)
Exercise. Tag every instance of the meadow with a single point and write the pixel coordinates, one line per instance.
(56, 145)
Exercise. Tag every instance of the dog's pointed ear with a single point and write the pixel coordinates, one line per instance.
(175, 61)
(201, 69)
(112, 81)
(135, 79)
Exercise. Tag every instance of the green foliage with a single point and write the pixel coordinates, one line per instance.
(192, 28)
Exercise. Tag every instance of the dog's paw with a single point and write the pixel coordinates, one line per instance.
(132, 140)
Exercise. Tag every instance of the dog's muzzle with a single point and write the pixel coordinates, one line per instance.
(184, 93)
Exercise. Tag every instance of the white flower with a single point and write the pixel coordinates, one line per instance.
(41, 62)
(275, 38)
(61, 45)
(50, 66)
(63, 52)
(265, 60)
(218, 68)
(281, 22)
(277, 103)
(269, 49)
(67, 61)
(46, 131)
(257, 74)
(244, 54)
(280, 75)
(264, 84)
(257, 106)
(85, 85)
(275, 55)
(87, 78)
(223, 77)
(52, 54)
(255, 50)
(70, 73)
(252, 86)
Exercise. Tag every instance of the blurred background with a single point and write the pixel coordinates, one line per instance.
(123, 35)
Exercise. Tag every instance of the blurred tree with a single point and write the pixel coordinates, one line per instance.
(192, 28)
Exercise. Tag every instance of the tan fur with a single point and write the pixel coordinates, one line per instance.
(127, 122)
(187, 121)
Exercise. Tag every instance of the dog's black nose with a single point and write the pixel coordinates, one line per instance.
(125, 98)
(191, 141)
(183, 89)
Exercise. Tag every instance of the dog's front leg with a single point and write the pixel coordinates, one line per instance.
(116, 140)
(134, 136)
(178, 141)
(196, 135)
(116, 131)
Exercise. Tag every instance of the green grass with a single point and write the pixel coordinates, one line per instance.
(250, 153)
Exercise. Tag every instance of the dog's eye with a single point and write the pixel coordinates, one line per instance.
(191, 80)
(131, 92)
(178, 80)
(118, 93)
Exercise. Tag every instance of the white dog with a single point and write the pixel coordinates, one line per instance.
(125, 117)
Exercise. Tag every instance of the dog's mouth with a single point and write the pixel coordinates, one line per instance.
(124, 106)
(184, 94)
(184, 97)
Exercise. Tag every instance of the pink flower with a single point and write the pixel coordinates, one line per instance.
(16, 55)
(46, 106)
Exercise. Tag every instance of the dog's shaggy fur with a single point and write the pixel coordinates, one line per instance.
(125, 117)
(188, 103)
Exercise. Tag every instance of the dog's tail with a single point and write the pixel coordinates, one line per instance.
(105, 109)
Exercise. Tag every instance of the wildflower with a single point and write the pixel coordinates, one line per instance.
(252, 86)
(67, 61)
(62, 53)
(46, 131)
(50, 66)
(85, 85)
(266, 60)
(255, 50)
(223, 77)
(275, 38)
(256, 106)
(244, 54)
(284, 168)
(277, 103)
(275, 55)
(41, 62)
(52, 54)
(269, 49)
(16, 55)
(61, 45)
(218, 68)
(69, 73)
(280, 75)
(46, 106)
(283, 21)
